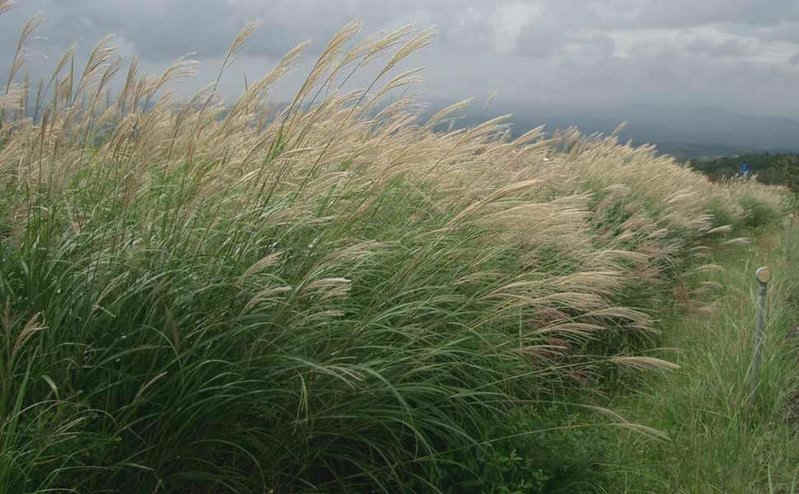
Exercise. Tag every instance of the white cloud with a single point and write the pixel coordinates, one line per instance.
(509, 20)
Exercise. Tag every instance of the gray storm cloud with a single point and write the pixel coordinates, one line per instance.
(737, 54)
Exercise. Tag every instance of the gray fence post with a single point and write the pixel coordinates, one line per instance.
(763, 275)
(788, 238)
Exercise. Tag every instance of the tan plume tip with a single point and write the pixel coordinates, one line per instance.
(645, 363)
(5, 5)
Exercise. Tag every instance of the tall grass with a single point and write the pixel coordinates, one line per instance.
(199, 297)
(725, 435)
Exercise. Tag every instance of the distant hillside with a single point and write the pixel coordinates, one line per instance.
(685, 133)
(687, 151)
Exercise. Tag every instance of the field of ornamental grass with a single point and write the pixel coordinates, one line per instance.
(334, 296)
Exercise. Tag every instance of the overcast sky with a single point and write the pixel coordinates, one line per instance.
(741, 55)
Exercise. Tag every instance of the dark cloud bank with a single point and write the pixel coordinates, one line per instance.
(720, 73)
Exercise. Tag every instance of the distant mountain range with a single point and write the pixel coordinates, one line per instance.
(686, 133)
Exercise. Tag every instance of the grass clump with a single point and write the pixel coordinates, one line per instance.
(200, 298)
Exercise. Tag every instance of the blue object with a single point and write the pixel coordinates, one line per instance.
(744, 169)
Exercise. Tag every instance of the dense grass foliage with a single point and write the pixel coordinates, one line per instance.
(205, 298)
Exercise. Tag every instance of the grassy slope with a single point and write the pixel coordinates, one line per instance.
(201, 298)
(718, 442)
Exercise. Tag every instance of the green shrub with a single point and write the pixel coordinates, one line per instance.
(537, 450)
(757, 213)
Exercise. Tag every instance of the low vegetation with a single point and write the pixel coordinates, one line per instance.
(728, 431)
(768, 168)
(206, 297)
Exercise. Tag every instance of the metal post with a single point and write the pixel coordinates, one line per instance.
(787, 238)
(763, 275)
